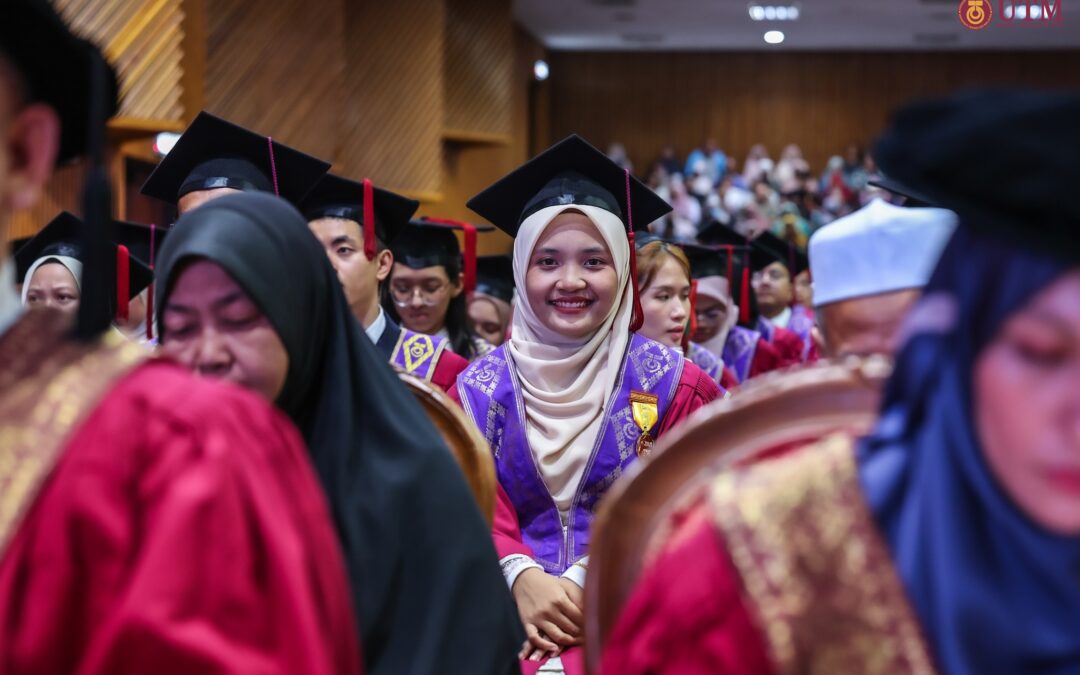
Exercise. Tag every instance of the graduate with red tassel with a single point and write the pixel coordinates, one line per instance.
(577, 395)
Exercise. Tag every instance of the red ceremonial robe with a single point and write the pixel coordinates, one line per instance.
(447, 368)
(181, 530)
(779, 568)
(695, 389)
(766, 359)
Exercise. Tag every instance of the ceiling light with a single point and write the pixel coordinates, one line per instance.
(774, 37)
(773, 12)
(164, 142)
(541, 70)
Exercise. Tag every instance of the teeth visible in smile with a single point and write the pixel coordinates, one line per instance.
(574, 304)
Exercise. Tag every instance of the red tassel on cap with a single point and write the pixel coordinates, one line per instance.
(123, 285)
(369, 219)
(468, 273)
(150, 291)
(638, 318)
(693, 317)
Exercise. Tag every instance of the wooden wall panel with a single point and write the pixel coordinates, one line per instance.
(479, 66)
(821, 101)
(143, 41)
(471, 167)
(393, 96)
(276, 67)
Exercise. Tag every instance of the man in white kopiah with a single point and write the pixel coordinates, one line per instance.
(868, 268)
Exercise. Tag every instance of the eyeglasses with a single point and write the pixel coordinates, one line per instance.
(402, 294)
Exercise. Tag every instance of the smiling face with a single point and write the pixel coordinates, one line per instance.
(666, 304)
(212, 326)
(53, 285)
(1027, 406)
(571, 282)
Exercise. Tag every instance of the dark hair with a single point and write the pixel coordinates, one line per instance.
(456, 321)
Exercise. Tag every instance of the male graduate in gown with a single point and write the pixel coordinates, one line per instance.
(149, 522)
(354, 221)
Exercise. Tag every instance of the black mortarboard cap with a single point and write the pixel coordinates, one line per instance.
(911, 197)
(56, 67)
(428, 242)
(767, 248)
(63, 237)
(569, 172)
(143, 241)
(495, 276)
(728, 261)
(214, 153)
(1003, 159)
(337, 197)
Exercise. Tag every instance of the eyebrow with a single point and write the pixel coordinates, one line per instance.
(342, 239)
(1046, 318)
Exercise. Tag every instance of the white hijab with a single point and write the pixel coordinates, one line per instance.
(566, 382)
(72, 265)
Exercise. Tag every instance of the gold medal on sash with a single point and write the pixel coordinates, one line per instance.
(645, 412)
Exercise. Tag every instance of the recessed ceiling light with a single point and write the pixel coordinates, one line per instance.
(774, 37)
(773, 12)
(164, 142)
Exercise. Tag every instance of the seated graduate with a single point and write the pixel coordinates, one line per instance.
(152, 522)
(574, 397)
(869, 269)
(248, 295)
(667, 303)
(431, 280)
(947, 540)
(51, 265)
(758, 257)
(776, 264)
(214, 158)
(722, 275)
(491, 306)
(353, 221)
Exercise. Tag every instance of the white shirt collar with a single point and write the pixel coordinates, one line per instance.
(377, 327)
(782, 319)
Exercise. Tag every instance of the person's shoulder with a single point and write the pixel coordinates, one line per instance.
(165, 390)
(453, 362)
(702, 384)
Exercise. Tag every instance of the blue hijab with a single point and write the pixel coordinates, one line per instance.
(994, 591)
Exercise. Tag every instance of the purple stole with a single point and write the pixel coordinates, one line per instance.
(491, 395)
(709, 363)
(418, 354)
(802, 325)
(739, 349)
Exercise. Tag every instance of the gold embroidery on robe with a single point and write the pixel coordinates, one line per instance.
(48, 384)
(815, 571)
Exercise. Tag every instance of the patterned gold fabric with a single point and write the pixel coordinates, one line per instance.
(815, 571)
(48, 384)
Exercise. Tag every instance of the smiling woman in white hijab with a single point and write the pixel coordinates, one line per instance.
(574, 397)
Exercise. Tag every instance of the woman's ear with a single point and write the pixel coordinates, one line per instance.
(456, 286)
(31, 142)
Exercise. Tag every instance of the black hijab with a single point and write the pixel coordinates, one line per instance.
(426, 581)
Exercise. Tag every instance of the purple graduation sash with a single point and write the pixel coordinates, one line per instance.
(739, 350)
(802, 325)
(708, 362)
(418, 354)
(491, 395)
